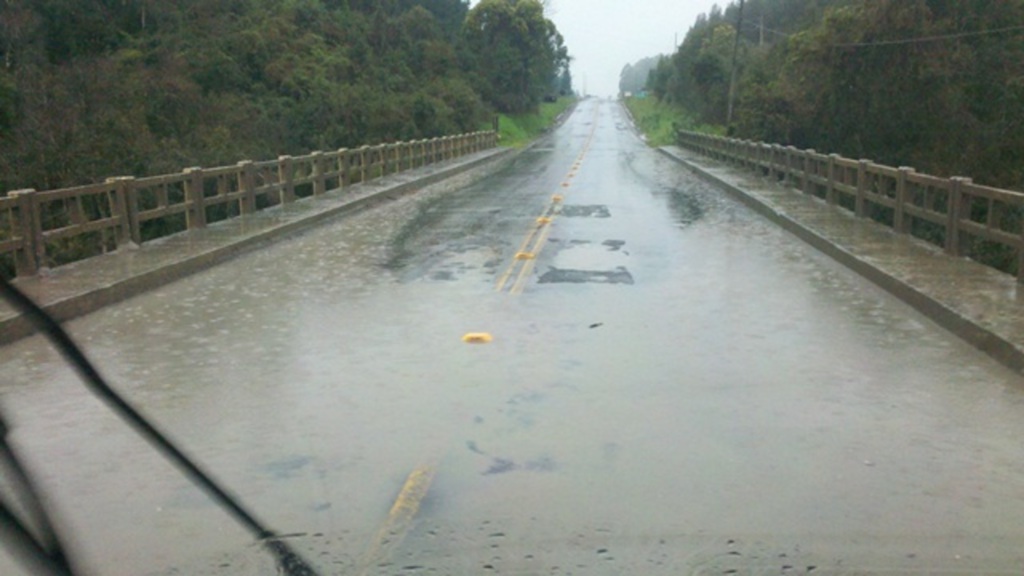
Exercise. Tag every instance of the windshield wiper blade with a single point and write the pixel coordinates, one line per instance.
(288, 560)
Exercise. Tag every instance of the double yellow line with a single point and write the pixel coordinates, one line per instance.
(526, 256)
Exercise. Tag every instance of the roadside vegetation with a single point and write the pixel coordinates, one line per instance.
(659, 121)
(517, 130)
(98, 88)
(932, 84)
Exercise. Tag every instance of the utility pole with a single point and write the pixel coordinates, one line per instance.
(760, 41)
(732, 76)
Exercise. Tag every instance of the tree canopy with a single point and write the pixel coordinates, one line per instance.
(516, 54)
(633, 77)
(95, 88)
(934, 84)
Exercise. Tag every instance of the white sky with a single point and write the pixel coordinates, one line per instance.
(605, 35)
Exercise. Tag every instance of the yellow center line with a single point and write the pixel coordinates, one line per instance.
(525, 258)
(527, 268)
(523, 254)
(400, 517)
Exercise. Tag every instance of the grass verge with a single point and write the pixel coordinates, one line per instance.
(659, 121)
(517, 130)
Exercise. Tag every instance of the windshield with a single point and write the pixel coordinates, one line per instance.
(579, 358)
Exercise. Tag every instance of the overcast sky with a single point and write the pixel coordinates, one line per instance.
(605, 35)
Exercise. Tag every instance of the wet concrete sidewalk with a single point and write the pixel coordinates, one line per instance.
(979, 304)
(76, 289)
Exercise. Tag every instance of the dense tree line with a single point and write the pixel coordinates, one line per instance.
(93, 88)
(934, 84)
(633, 77)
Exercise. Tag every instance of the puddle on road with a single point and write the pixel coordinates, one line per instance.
(558, 276)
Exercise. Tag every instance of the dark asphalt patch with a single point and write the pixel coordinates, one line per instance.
(584, 211)
(687, 208)
(558, 276)
(442, 276)
(503, 465)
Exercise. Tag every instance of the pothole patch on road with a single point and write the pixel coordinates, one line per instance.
(585, 211)
(561, 276)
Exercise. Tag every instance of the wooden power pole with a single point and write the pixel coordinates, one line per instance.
(732, 76)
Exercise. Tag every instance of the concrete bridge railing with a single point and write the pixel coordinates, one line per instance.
(75, 223)
(964, 218)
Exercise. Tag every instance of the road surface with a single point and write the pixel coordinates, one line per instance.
(673, 386)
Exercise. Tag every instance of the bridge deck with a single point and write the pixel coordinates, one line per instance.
(978, 303)
(79, 288)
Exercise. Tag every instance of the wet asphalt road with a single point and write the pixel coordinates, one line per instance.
(675, 387)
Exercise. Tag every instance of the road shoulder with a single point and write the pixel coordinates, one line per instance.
(978, 304)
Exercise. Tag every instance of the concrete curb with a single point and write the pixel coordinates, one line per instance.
(16, 327)
(965, 327)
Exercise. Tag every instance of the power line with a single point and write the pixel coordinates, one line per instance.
(922, 39)
(901, 41)
(755, 26)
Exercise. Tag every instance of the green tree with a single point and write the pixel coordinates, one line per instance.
(514, 51)
(94, 88)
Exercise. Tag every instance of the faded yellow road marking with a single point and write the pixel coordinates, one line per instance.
(400, 517)
(525, 257)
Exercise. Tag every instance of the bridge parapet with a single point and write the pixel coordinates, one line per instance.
(964, 218)
(41, 229)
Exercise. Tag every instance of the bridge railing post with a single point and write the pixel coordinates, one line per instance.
(319, 182)
(343, 168)
(26, 261)
(791, 155)
(286, 178)
(247, 185)
(776, 162)
(364, 155)
(126, 205)
(954, 209)
(830, 189)
(862, 185)
(899, 219)
(195, 215)
(809, 161)
(1020, 256)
